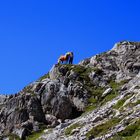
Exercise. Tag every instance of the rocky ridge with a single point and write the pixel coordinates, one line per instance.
(97, 99)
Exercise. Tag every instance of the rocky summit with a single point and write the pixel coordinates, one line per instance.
(98, 99)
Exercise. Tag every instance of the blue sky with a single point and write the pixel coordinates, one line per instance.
(33, 34)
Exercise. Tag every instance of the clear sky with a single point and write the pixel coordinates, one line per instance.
(34, 33)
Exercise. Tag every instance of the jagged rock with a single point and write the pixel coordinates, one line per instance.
(85, 62)
(17, 112)
(22, 132)
(58, 72)
(52, 120)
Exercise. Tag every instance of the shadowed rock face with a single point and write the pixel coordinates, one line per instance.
(59, 97)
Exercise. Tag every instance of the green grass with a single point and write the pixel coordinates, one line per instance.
(115, 92)
(14, 137)
(83, 74)
(96, 95)
(94, 100)
(35, 135)
(102, 129)
(132, 132)
(89, 108)
(81, 71)
(72, 127)
(108, 98)
(98, 91)
(116, 86)
(119, 104)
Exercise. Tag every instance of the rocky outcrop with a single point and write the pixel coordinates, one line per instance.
(61, 96)
(97, 99)
(113, 111)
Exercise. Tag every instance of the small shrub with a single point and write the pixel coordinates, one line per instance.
(70, 128)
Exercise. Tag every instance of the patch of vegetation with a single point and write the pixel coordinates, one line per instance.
(83, 73)
(97, 92)
(115, 89)
(27, 89)
(116, 137)
(78, 69)
(92, 100)
(44, 77)
(95, 99)
(109, 97)
(13, 137)
(132, 132)
(119, 104)
(97, 70)
(98, 58)
(90, 108)
(72, 127)
(116, 86)
(35, 135)
(102, 129)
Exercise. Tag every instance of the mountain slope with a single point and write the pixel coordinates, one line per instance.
(96, 99)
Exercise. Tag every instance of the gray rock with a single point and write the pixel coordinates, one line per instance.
(106, 92)
(22, 133)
